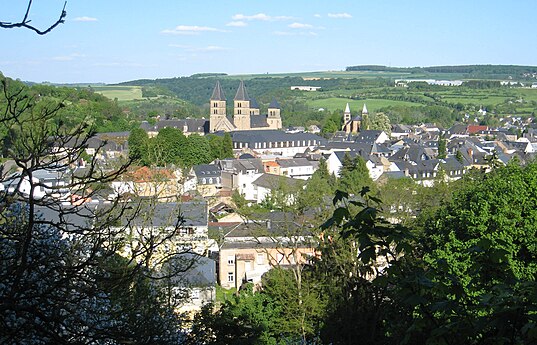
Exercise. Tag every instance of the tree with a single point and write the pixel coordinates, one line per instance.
(227, 151)
(25, 21)
(442, 147)
(354, 175)
(138, 145)
(379, 121)
(58, 251)
(478, 278)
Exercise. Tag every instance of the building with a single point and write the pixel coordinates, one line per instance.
(275, 142)
(246, 113)
(350, 124)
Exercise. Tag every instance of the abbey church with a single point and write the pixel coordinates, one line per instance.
(245, 112)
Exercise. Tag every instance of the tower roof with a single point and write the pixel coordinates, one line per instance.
(242, 94)
(274, 104)
(347, 109)
(253, 103)
(364, 110)
(218, 93)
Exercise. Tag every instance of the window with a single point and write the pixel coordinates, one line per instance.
(260, 258)
(210, 180)
(230, 277)
(203, 181)
(231, 260)
(195, 294)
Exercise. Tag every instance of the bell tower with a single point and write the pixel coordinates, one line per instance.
(217, 107)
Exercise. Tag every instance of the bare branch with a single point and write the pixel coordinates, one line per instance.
(25, 22)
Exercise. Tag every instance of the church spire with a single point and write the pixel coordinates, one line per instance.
(218, 93)
(364, 110)
(242, 94)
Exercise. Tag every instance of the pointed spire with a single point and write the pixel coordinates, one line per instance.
(347, 109)
(253, 103)
(242, 94)
(218, 93)
(364, 110)
(274, 104)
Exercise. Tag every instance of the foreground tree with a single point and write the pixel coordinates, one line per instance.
(61, 278)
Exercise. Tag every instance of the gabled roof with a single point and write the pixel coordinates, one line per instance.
(271, 181)
(274, 104)
(368, 136)
(253, 103)
(207, 170)
(258, 121)
(168, 214)
(218, 93)
(293, 162)
(242, 94)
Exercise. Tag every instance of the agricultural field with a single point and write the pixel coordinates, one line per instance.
(332, 104)
(122, 93)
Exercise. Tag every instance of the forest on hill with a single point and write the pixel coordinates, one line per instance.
(465, 71)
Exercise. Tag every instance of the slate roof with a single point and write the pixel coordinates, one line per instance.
(294, 162)
(192, 125)
(274, 104)
(165, 214)
(253, 103)
(218, 93)
(242, 94)
(271, 181)
(258, 121)
(368, 136)
(207, 170)
(257, 136)
(201, 274)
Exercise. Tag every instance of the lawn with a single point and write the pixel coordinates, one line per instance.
(122, 93)
(332, 104)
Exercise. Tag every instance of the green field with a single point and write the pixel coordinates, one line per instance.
(122, 93)
(332, 104)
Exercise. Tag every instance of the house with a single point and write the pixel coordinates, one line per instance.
(196, 278)
(161, 183)
(267, 184)
(238, 174)
(44, 184)
(399, 131)
(209, 178)
(299, 168)
(334, 163)
(275, 142)
(371, 137)
(187, 126)
(251, 249)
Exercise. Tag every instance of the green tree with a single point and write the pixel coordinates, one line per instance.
(138, 145)
(442, 147)
(354, 175)
(379, 121)
(197, 150)
(227, 151)
(168, 147)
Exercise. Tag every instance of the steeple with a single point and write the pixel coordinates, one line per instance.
(346, 115)
(218, 93)
(242, 94)
(364, 110)
(274, 104)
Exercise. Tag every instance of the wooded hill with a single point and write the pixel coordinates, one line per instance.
(466, 71)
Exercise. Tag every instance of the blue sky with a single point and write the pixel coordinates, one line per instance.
(115, 40)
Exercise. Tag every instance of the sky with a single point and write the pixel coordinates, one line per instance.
(118, 40)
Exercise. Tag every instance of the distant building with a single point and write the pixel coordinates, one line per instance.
(246, 114)
(350, 124)
(306, 88)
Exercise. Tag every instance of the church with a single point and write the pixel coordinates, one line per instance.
(350, 124)
(246, 115)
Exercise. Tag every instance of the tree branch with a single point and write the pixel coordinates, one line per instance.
(25, 22)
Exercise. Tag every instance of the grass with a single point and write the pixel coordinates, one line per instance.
(122, 93)
(223, 295)
(332, 104)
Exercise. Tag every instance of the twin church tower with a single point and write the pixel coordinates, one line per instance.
(245, 112)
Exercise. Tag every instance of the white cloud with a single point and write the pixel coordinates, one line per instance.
(317, 15)
(69, 57)
(339, 15)
(190, 30)
(85, 19)
(207, 49)
(300, 26)
(294, 33)
(260, 16)
(238, 23)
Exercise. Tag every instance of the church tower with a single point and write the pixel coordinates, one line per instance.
(241, 108)
(357, 121)
(217, 107)
(274, 119)
(347, 119)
